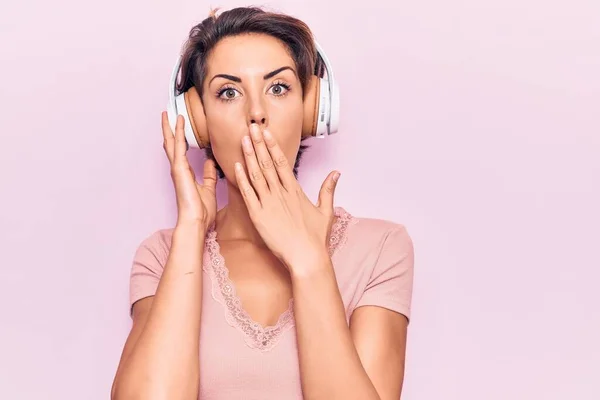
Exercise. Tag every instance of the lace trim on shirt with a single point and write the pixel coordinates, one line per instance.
(223, 290)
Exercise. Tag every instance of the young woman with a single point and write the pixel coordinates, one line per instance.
(272, 296)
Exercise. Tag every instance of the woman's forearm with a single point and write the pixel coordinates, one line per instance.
(164, 363)
(330, 367)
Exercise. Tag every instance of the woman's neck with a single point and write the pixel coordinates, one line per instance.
(233, 221)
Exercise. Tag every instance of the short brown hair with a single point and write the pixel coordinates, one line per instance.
(203, 37)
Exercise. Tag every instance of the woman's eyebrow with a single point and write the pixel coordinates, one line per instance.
(267, 76)
(226, 76)
(278, 70)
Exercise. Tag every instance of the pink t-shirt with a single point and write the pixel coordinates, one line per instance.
(239, 359)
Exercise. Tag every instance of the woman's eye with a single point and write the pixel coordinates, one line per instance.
(228, 94)
(279, 89)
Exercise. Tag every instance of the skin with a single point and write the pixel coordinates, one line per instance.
(267, 211)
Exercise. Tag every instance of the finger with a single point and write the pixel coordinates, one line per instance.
(282, 165)
(168, 139)
(248, 194)
(264, 158)
(326, 194)
(209, 178)
(180, 145)
(257, 179)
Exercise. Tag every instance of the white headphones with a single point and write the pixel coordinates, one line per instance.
(322, 106)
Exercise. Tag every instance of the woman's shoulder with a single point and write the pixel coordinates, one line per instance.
(371, 230)
(157, 241)
(377, 263)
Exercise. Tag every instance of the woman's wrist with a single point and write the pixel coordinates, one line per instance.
(187, 245)
(189, 226)
(309, 263)
(190, 229)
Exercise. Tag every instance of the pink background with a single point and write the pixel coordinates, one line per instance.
(474, 123)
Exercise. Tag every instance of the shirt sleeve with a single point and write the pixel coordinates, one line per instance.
(391, 283)
(147, 268)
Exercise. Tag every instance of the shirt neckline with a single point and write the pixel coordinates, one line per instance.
(255, 334)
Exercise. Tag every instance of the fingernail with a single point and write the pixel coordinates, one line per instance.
(246, 142)
(254, 130)
(336, 176)
(238, 166)
(267, 134)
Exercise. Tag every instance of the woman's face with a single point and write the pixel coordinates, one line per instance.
(251, 78)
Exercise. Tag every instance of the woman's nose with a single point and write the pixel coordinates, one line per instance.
(260, 121)
(257, 113)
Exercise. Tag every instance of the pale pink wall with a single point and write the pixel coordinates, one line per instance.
(475, 123)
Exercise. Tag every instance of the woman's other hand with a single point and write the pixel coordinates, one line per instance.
(196, 202)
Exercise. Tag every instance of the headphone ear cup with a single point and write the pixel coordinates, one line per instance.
(195, 111)
(311, 107)
(335, 109)
(182, 108)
